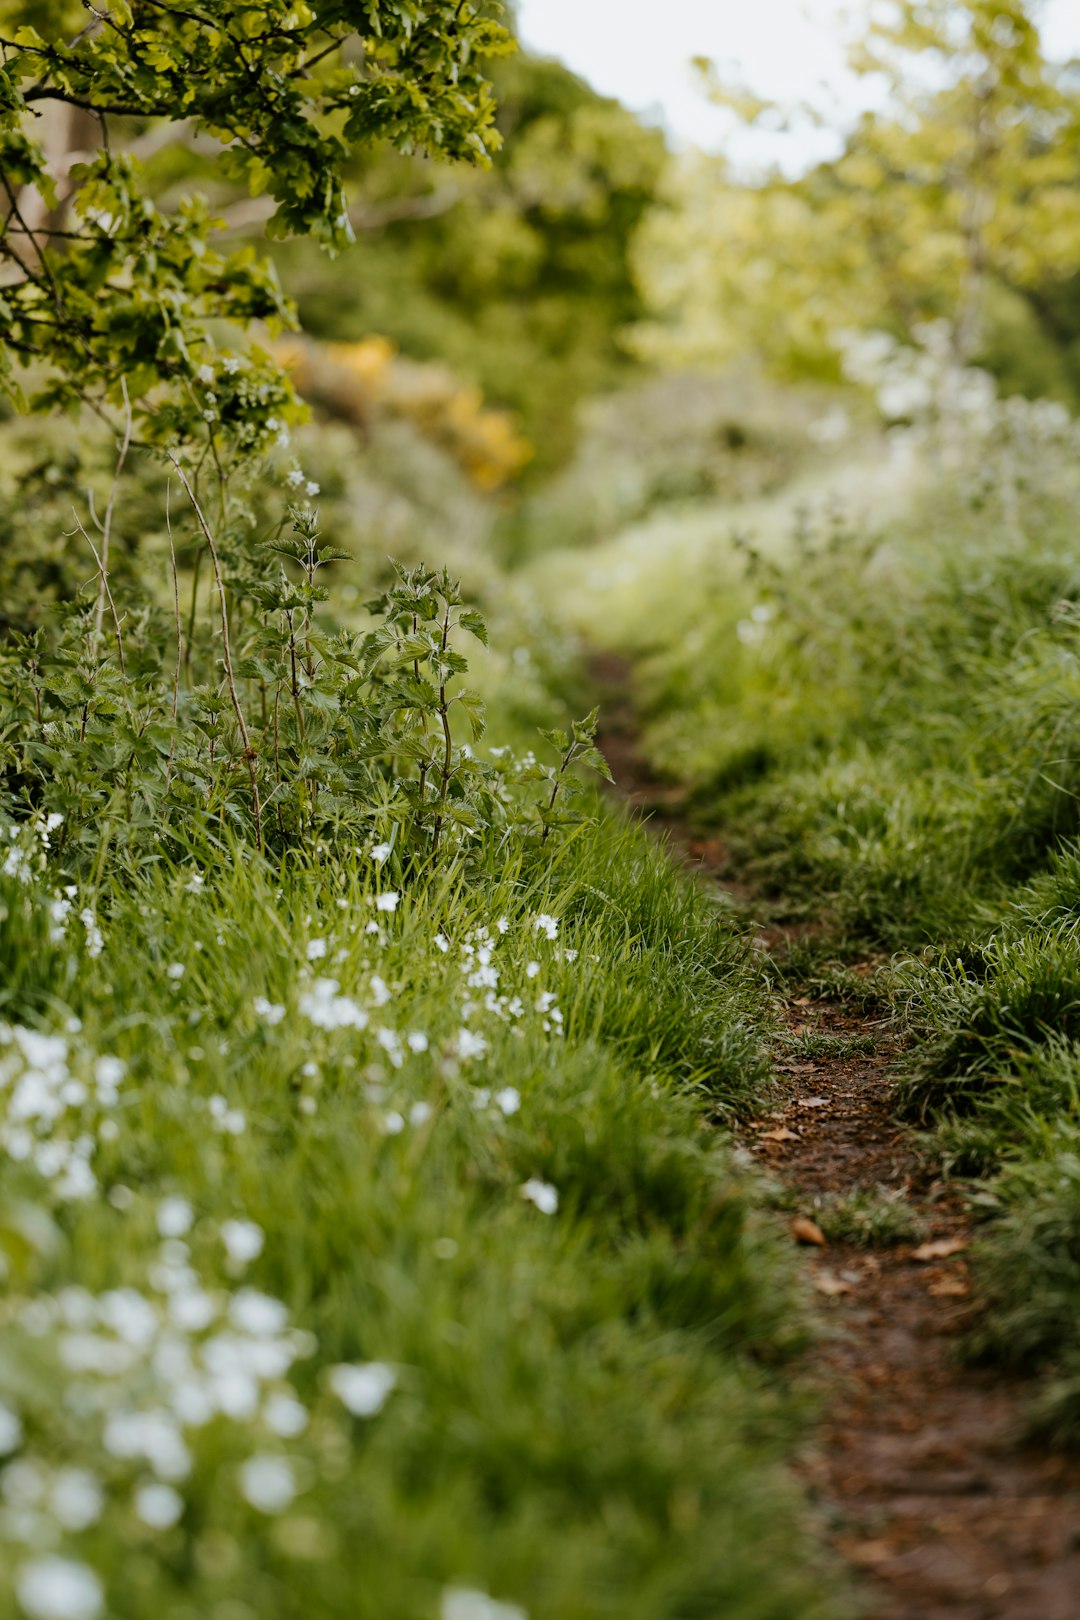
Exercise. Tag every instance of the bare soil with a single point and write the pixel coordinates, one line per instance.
(920, 1472)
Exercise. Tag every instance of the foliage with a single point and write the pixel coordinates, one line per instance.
(357, 381)
(310, 730)
(882, 716)
(518, 277)
(670, 442)
(371, 1231)
(113, 295)
(964, 187)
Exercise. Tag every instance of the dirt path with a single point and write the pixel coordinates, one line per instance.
(919, 1470)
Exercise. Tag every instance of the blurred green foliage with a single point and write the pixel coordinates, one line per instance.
(520, 276)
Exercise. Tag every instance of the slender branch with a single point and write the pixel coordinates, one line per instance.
(46, 92)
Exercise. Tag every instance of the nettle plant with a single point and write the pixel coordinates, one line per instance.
(212, 693)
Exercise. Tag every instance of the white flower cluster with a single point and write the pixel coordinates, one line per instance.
(925, 385)
(468, 1603)
(145, 1370)
(27, 845)
(54, 1106)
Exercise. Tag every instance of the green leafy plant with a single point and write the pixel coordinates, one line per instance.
(109, 294)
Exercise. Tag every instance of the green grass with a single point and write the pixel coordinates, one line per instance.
(884, 717)
(869, 1218)
(589, 1411)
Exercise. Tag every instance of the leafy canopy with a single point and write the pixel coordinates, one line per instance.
(105, 291)
(966, 183)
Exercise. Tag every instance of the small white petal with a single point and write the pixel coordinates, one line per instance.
(362, 1387)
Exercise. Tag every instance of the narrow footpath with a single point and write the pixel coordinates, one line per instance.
(919, 1471)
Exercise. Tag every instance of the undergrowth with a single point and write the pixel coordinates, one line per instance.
(885, 719)
(365, 1230)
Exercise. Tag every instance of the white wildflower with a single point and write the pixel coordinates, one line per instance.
(257, 1313)
(420, 1113)
(10, 1430)
(362, 1387)
(469, 1044)
(243, 1241)
(95, 942)
(267, 1483)
(174, 1217)
(131, 1317)
(76, 1499)
(230, 1121)
(508, 1100)
(157, 1505)
(532, 969)
(271, 1012)
(442, 943)
(380, 990)
(467, 1603)
(387, 901)
(390, 1041)
(195, 883)
(417, 1041)
(325, 1008)
(175, 971)
(108, 1073)
(53, 1588)
(285, 1415)
(549, 926)
(381, 853)
(542, 1194)
(316, 949)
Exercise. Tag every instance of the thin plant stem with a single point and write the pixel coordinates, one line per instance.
(448, 743)
(106, 526)
(179, 634)
(250, 755)
(105, 588)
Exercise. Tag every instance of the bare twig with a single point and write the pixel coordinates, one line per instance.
(251, 211)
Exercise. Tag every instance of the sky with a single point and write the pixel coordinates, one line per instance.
(790, 50)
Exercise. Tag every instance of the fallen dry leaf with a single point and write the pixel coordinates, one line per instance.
(780, 1134)
(812, 1102)
(939, 1249)
(870, 1552)
(949, 1288)
(827, 1282)
(804, 1230)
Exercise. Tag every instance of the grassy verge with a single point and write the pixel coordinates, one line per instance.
(367, 1256)
(884, 719)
